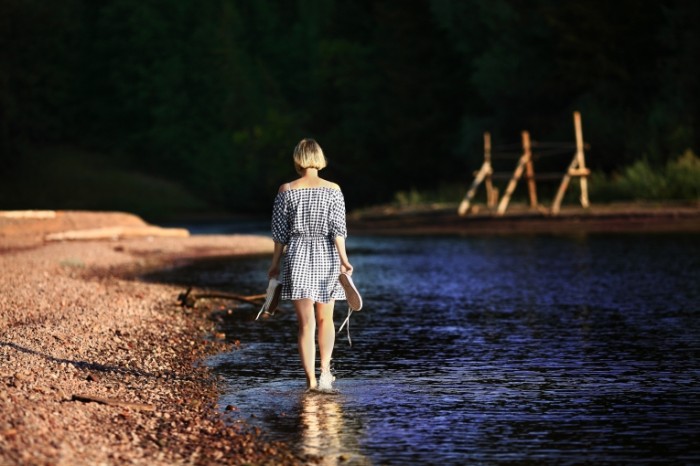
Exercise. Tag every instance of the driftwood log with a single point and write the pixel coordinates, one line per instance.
(188, 298)
(117, 232)
(113, 402)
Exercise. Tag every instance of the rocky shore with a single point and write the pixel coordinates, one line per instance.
(100, 368)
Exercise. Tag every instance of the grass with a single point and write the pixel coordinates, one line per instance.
(70, 179)
(445, 193)
(677, 180)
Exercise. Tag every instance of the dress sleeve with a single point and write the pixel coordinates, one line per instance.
(280, 220)
(337, 217)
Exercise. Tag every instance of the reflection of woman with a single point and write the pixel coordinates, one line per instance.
(309, 218)
(322, 423)
(327, 433)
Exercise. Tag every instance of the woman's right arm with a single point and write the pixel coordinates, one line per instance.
(274, 270)
(280, 231)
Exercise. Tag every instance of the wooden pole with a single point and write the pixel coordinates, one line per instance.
(529, 169)
(556, 205)
(517, 173)
(581, 159)
(484, 171)
(577, 167)
(490, 198)
(464, 205)
(494, 198)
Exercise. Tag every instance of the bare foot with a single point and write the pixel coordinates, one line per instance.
(311, 384)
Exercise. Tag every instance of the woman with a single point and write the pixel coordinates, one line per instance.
(309, 218)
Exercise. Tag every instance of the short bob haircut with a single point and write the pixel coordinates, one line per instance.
(308, 154)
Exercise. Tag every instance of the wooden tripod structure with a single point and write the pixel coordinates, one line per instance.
(577, 168)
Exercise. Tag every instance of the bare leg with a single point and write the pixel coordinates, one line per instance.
(307, 346)
(326, 333)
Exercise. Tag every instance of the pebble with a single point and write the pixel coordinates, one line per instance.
(62, 321)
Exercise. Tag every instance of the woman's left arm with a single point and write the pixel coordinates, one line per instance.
(345, 265)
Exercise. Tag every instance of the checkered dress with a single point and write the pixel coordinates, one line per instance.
(307, 221)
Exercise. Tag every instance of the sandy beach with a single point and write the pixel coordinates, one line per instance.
(100, 368)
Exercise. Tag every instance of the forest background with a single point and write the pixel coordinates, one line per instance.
(176, 107)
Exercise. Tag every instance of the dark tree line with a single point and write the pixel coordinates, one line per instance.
(214, 94)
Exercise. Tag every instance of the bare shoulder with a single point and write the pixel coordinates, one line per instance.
(330, 184)
(284, 187)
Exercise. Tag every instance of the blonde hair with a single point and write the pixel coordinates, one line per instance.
(308, 154)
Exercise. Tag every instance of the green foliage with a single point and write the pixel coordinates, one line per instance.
(444, 194)
(75, 180)
(37, 70)
(213, 96)
(641, 181)
(408, 198)
(683, 176)
(679, 179)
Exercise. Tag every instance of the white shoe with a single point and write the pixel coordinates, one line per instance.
(351, 293)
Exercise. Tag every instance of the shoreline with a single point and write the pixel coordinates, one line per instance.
(74, 328)
(98, 367)
(521, 219)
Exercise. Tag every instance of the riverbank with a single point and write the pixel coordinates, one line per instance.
(97, 368)
(521, 219)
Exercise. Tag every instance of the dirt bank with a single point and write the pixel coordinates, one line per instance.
(71, 330)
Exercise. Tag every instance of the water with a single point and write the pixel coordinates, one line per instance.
(540, 349)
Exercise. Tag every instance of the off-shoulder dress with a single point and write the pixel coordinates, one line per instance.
(307, 220)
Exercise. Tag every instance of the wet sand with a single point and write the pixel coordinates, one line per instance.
(99, 368)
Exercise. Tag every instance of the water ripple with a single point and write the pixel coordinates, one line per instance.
(487, 350)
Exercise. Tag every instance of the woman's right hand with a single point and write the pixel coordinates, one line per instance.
(273, 271)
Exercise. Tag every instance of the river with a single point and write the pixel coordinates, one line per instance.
(542, 349)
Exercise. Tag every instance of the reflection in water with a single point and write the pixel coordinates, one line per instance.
(319, 426)
(323, 431)
(327, 432)
(548, 350)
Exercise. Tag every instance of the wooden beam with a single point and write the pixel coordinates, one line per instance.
(556, 205)
(580, 172)
(464, 205)
(491, 195)
(581, 159)
(529, 169)
(484, 172)
(517, 173)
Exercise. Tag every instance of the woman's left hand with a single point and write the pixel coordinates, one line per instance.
(346, 268)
